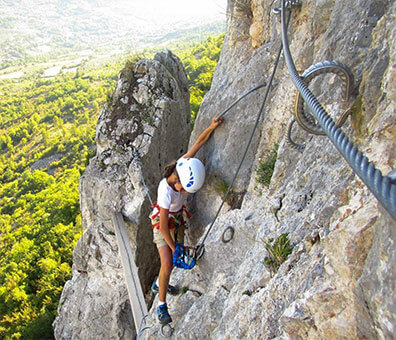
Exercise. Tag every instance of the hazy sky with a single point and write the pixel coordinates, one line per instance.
(168, 11)
(145, 11)
(43, 22)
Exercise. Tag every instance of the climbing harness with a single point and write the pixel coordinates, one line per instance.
(184, 257)
(381, 186)
(176, 219)
(228, 234)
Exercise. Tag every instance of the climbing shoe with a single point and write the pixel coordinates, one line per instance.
(163, 315)
(172, 290)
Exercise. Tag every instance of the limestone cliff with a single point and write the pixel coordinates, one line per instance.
(339, 281)
(135, 139)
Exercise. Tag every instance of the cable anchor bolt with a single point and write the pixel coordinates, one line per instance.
(289, 5)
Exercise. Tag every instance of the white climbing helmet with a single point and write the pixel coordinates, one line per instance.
(191, 172)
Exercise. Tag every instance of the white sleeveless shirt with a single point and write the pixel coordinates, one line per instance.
(168, 198)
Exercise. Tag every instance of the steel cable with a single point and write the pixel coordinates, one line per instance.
(240, 98)
(381, 186)
(200, 247)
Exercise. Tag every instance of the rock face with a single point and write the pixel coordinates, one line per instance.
(338, 283)
(339, 280)
(145, 126)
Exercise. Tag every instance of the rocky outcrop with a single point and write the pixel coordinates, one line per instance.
(338, 282)
(145, 126)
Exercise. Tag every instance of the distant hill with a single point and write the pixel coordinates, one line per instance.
(38, 31)
(47, 136)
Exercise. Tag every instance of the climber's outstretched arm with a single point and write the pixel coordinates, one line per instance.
(203, 137)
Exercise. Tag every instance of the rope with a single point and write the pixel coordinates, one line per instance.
(381, 186)
(250, 139)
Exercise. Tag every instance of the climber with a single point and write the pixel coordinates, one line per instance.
(169, 214)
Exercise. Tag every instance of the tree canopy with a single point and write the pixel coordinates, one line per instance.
(47, 132)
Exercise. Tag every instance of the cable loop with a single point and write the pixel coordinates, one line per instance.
(228, 234)
(167, 333)
(381, 186)
(305, 119)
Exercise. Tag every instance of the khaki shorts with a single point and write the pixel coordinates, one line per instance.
(159, 239)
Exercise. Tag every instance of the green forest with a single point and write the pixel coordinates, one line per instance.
(47, 132)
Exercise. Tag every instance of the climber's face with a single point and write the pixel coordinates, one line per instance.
(178, 185)
(180, 188)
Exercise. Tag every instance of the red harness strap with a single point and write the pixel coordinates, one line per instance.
(174, 219)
